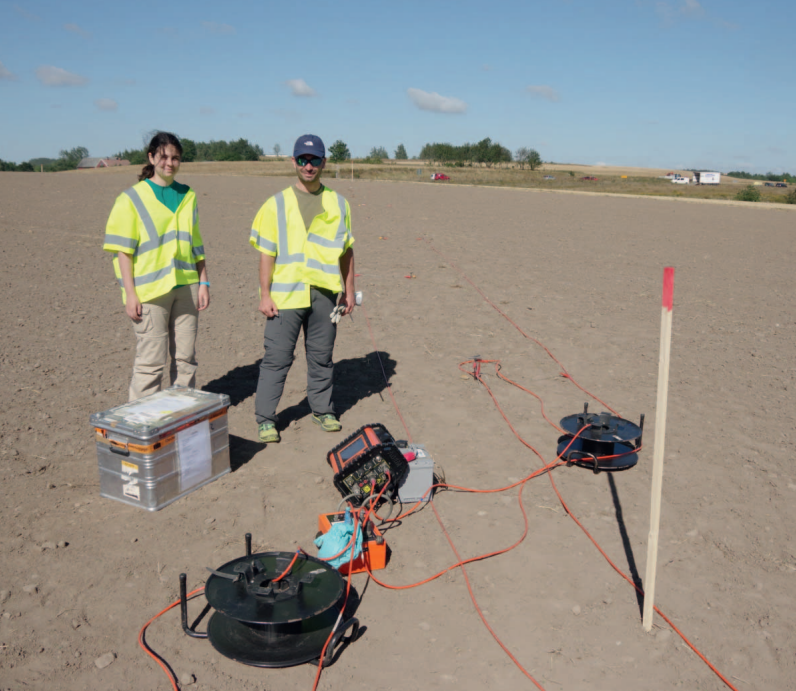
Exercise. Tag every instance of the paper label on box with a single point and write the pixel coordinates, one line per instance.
(195, 455)
(132, 490)
(129, 468)
(154, 408)
(419, 453)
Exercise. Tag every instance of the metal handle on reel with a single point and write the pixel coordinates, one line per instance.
(338, 637)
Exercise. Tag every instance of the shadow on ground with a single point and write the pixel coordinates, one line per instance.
(354, 380)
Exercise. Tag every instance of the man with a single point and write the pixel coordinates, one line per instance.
(306, 264)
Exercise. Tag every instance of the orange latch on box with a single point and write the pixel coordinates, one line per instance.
(374, 546)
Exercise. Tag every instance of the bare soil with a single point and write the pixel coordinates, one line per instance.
(580, 273)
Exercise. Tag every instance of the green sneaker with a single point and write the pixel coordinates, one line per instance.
(328, 422)
(268, 433)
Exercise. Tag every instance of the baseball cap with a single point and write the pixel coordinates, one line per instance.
(309, 144)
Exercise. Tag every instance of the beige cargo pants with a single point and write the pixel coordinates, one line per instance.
(168, 326)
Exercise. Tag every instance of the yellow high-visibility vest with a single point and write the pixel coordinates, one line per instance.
(165, 245)
(304, 256)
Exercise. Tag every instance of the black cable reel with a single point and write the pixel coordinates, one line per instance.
(609, 443)
(263, 620)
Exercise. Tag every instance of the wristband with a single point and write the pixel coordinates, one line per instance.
(204, 283)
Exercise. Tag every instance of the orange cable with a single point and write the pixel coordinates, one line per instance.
(145, 646)
(564, 372)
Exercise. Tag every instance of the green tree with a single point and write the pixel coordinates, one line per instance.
(277, 149)
(339, 152)
(400, 153)
(534, 160)
(188, 150)
(520, 155)
(68, 159)
(748, 194)
(137, 157)
(377, 155)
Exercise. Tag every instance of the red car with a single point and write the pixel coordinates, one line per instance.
(439, 176)
(588, 177)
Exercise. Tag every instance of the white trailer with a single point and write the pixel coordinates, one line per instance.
(705, 178)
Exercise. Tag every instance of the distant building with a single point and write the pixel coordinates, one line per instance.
(87, 163)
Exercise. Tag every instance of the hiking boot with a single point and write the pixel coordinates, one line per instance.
(268, 433)
(328, 422)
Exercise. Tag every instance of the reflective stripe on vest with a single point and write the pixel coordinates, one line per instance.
(281, 219)
(160, 273)
(155, 241)
(160, 262)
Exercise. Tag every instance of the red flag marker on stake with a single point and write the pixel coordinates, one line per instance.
(660, 437)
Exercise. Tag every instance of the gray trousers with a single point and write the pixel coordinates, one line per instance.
(281, 335)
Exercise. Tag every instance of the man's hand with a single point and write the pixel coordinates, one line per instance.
(268, 306)
(133, 308)
(203, 298)
(347, 300)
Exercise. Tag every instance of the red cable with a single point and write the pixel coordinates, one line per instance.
(142, 640)
(564, 372)
(477, 375)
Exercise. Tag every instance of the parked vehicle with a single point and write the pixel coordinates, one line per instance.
(705, 178)
(768, 184)
(781, 184)
(588, 177)
(549, 177)
(680, 180)
(439, 176)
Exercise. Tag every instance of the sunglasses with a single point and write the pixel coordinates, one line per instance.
(304, 160)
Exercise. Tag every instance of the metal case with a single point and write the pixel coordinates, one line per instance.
(159, 448)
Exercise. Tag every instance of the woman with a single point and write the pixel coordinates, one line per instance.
(159, 261)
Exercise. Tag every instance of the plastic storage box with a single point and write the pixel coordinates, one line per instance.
(159, 448)
(420, 477)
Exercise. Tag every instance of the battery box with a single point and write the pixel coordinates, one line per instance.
(361, 464)
(374, 547)
(415, 486)
(157, 449)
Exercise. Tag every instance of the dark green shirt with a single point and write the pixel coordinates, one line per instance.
(171, 197)
(310, 204)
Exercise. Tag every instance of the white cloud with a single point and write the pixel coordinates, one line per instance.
(106, 104)
(55, 76)
(299, 87)
(30, 17)
(432, 101)
(6, 74)
(546, 92)
(75, 29)
(670, 11)
(692, 8)
(220, 29)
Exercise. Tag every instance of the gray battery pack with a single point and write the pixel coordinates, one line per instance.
(420, 477)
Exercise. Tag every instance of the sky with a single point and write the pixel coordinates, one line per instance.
(704, 84)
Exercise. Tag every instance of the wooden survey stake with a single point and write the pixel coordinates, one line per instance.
(660, 437)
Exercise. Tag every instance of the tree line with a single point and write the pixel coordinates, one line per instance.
(770, 177)
(67, 160)
(484, 152)
(238, 150)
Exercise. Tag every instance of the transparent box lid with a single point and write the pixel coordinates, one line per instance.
(159, 413)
